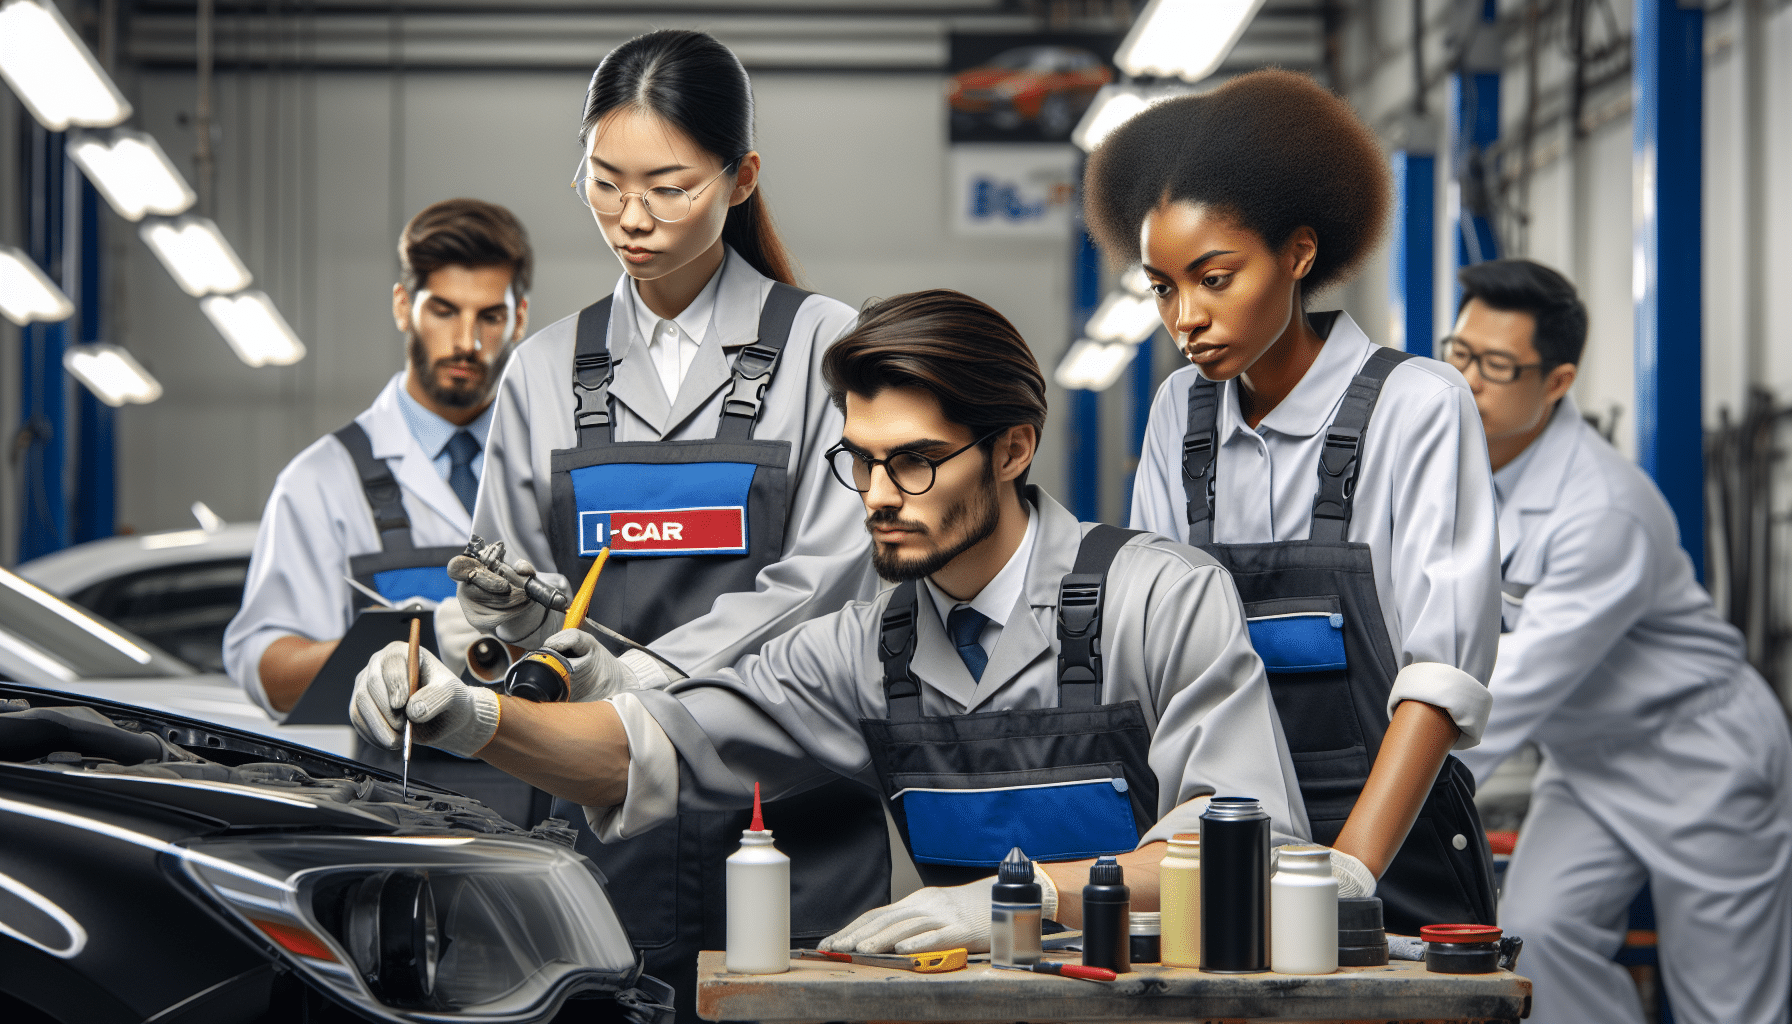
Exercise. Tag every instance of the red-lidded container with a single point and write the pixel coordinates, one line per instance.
(1461, 948)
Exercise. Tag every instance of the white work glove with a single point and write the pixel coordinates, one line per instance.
(445, 713)
(594, 673)
(933, 918)
(491, 605)
(1354, 877)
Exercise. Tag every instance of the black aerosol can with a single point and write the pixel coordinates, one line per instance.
(1107, 939)
(1234, 886)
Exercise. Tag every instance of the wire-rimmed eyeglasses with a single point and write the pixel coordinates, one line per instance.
(1494, 367)
(667, 204)
(911, 472)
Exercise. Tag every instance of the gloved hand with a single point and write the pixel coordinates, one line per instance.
(595, 672)
(933, 918)
(445, 713)
(491, 604)
(455, 637)
(1354, 877)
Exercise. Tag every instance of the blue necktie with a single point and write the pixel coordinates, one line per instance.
(461, 450)
(965, 625)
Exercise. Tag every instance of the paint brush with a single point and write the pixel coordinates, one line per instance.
(411, 667)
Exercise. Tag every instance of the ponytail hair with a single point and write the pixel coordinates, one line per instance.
(697, 85)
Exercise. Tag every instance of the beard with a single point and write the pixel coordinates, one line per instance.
(473, 393)
(980, 511)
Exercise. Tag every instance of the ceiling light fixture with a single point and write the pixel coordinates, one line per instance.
(27, 293)
(113, 376)
(195, 252)
(1092, 365)
(133, 173)
(53, 72)
(1186, 39)
(254, 328)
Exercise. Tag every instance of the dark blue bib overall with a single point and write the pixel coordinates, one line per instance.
(689, 521)
(1315, 619)
(1063, 783)
(399, 569)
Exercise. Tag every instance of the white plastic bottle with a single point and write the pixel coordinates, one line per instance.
(1303, 912)
(1179, 901)
(758, 902)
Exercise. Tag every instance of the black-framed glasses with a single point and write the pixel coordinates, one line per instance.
(911, 472)
(1494, 367)
(667, 204)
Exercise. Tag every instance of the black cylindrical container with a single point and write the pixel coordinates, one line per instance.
(1461, 948)
(1234, 886)
(1106, 906)
(1014, 912)
(1362, 941)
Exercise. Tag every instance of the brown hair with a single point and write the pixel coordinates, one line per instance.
(464, 233)
(698, 86)
(1274, 149)
(961, 351)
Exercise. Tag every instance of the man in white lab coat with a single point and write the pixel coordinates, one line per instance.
(388, 499)
(1665, 754)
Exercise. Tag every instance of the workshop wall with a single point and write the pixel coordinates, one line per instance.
(316, 174)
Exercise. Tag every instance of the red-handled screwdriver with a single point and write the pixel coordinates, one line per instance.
(1067, 970)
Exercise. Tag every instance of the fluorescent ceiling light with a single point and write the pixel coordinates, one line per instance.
(111, 374)
(195, 252)
(1115, 105)
(27, 293)
(1186, 39)
(1094, 365)
(52, 71)
(254, 328)
(133, 173)
(1124, 316)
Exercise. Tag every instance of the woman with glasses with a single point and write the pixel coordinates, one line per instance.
(1344, 484)
(680, 422)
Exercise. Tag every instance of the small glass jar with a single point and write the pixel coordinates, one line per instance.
(1144, 929)
(1461, 948)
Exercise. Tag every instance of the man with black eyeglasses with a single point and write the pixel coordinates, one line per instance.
(1031, 681)
(1665, 754)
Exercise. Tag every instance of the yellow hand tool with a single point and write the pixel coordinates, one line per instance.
(543, 675)
(937, 962)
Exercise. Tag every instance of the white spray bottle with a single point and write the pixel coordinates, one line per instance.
(758, 902)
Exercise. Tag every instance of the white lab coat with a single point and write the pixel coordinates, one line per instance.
(1666, 754)
(825, 562)
(1424, 505)
(316, 519)
(1174, 639)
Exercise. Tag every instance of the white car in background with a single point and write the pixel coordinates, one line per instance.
(177, 589)
(51, 644)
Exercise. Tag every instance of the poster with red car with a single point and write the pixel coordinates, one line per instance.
(1030, 88)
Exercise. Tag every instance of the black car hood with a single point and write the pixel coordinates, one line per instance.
(241, 781)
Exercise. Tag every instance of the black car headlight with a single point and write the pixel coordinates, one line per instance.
(424, 928)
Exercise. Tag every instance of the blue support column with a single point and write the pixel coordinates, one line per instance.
(1413, 277)
(43, 496)
(96, 462)
(1667, 90)
(1475, 125)
(1084, 423)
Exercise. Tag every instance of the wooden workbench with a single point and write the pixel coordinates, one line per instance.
(818, 991)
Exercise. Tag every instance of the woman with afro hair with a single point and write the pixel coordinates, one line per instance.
(1345, 485)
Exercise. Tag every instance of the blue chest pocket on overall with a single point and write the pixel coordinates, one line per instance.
(1068, 819)
(1302, 642)
(658, 510)
(429, 581)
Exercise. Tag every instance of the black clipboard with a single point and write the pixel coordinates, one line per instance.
(325, 701)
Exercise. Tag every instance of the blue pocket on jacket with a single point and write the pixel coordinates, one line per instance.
(1304, 641)
(1067, 813)
(430, 581)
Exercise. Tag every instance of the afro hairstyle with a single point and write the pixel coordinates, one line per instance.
(1273, 149)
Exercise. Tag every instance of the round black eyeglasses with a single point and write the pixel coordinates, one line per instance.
(912, 473)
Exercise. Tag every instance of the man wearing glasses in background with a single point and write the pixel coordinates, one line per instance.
(1665, 754)
(388, 499)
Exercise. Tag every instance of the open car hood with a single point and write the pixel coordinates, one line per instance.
(217, 777)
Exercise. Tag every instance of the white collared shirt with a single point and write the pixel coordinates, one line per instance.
(433, 433)
(1505, 478)
(999, 596)
(1424, 505)
(672, 344)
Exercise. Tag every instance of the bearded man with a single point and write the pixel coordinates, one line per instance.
(388, 499)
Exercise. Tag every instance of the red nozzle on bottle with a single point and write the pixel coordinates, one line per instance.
(758, 816)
